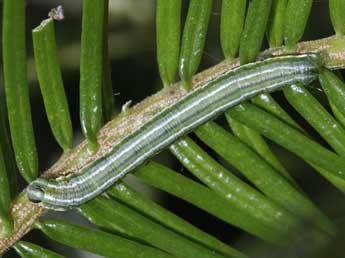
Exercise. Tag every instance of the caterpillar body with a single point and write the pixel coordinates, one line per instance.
(198, 106)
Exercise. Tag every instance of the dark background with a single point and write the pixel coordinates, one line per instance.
(135, 76)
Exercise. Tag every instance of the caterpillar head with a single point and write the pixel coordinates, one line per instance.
(35, 191)
(41, 191)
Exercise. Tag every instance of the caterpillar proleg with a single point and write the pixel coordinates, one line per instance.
(195, 108)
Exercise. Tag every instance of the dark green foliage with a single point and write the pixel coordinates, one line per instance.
(16, 87)
(296, 17)
(5, 199)
(256, 141)
(29, 250)
(334, 88)
(91, 68)
(290, 138)
(228, 186)
(337, 10)
(50, 81)
(96, 241)
(254, 29)
(231, 26)
(115, 216)
(126, 194)
(168, 33)
(108, 102)
(169, 181)
(268, 103)
(262, 175)
(275, 28)
(302, 100)
(7, 152)
(193, 38)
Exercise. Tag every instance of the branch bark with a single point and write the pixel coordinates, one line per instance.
(24, 213)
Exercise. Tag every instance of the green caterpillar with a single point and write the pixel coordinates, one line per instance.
(198, 106)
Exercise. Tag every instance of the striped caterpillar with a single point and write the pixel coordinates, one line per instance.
(195, 108)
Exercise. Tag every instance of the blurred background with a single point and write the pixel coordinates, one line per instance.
(135, 76)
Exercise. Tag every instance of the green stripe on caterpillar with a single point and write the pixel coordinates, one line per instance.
(195, 108)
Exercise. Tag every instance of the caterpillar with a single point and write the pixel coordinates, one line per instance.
(195, 108)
